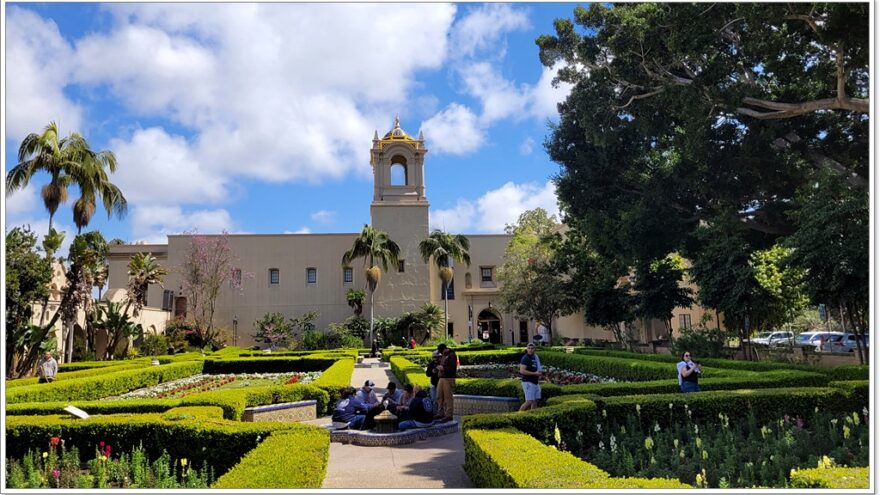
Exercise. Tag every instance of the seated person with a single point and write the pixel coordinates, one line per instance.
(402, 409)
(420, 411)
(391, 399)
(370, 404)
(346, 410)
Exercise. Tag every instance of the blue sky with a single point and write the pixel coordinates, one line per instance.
(258, 118)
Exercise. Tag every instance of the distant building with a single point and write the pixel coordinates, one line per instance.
(296, 273)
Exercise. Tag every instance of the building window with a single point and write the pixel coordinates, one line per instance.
(274, 276)
(684, 321)
(523, 331)
(467, 280)
(486, 274)
(167, 300)
(347, 275)
(401, 266)
(236, 278)
(450, 290)
(311, 275)
(398, 174)
(450, 328)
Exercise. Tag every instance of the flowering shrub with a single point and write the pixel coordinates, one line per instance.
(554, 375)
(725, 453)
(204, 383)
(59, 467)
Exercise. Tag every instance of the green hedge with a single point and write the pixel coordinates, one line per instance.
(835, 477)
(333, 380)
(78, 374)
(849, 372)
(196, 434)
(99, 387)
(94, 407)
(233, 402)
(408, 372)
(287, 459)
(510, 459)
(273, 364)
(541, 423)
(89, 365)
(623, 368)
(858, 390)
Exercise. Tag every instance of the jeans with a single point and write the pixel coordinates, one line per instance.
(689, 387)
(433, 392)
(357, 422)
(407, 425)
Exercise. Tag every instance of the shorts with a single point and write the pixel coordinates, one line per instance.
(532, 390)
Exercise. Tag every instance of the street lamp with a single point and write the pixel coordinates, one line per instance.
(235, 330)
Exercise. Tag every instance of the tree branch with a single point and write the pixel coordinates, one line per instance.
(808, 19)
(789, 110)
(822, 162)
(641, 96)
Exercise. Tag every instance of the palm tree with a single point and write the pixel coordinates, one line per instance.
(443, 247)
(375, 247)
(68, 161)
(143, 271)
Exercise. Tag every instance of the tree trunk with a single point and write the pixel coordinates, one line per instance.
(445, 312)
(371, 318)
(69, 356)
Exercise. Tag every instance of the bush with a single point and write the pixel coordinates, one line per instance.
(408, 372)
(234, 402)
(275, 464)
(196, 434)
(88, 365)
(269, 364)
(93, 407)
(703, 342)
(334, 379)
(833, 477)
(99, 387)
(78, 374)
(154, 345)
(506, 459)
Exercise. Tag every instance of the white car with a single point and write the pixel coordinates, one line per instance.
(809, 339)
(827, 341)
(774, 339)
(847, 343)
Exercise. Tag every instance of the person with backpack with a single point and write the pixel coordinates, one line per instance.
(420, 411)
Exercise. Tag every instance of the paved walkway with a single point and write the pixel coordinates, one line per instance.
(433, 463)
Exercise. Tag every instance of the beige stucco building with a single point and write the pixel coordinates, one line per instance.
(296, 273)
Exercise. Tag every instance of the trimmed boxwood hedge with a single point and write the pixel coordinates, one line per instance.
(124, 365)
(273, 364)
(94, 406)
(623, 368)
(89, 365)
(506, 459)
(408, 372)
(287, 459)
(835, 477)
(197, 434)
(233, 402)
(107, 384)
(334, 379)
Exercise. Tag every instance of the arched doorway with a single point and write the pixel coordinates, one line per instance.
(489, 326)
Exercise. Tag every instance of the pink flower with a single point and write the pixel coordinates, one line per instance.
(101, 444)
(56, 473)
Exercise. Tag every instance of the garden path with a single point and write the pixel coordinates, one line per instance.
(436, 462)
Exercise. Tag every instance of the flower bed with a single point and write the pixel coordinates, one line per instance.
(59, 466)
(203, 383)
(554, 375)
(724, 453)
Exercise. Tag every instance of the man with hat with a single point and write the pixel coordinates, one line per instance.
(370, 403)
(446, 371)
(530, 369)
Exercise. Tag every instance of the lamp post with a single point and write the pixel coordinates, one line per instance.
(235, 330)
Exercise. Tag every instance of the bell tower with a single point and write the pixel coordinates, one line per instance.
(400, 208)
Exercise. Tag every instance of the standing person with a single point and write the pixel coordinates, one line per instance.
(688, 373)
(412, 343)
(374, 349)
(432, 372)
(47, 368)
(530, 369)
(544, 333)
(446, 370)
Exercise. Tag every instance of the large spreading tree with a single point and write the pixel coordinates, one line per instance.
(684, 117)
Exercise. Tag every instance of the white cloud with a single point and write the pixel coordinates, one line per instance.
(38, 64)
(497, 208)
(155, 167)
(267, 89)
(527, 146)
(324, 216)
(152, 224)
(23, 201)
(482, 27)
(544, 97)
(454, 130)
(500, 97)
(301, 230)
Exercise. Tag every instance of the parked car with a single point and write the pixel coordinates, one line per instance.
(809, 339)
(774, 339)
(847, 343)
(827, 341)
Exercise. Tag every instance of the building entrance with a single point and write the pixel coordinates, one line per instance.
(489, 326)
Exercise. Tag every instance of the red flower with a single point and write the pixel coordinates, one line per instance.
(54, 440)
(101, 444)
